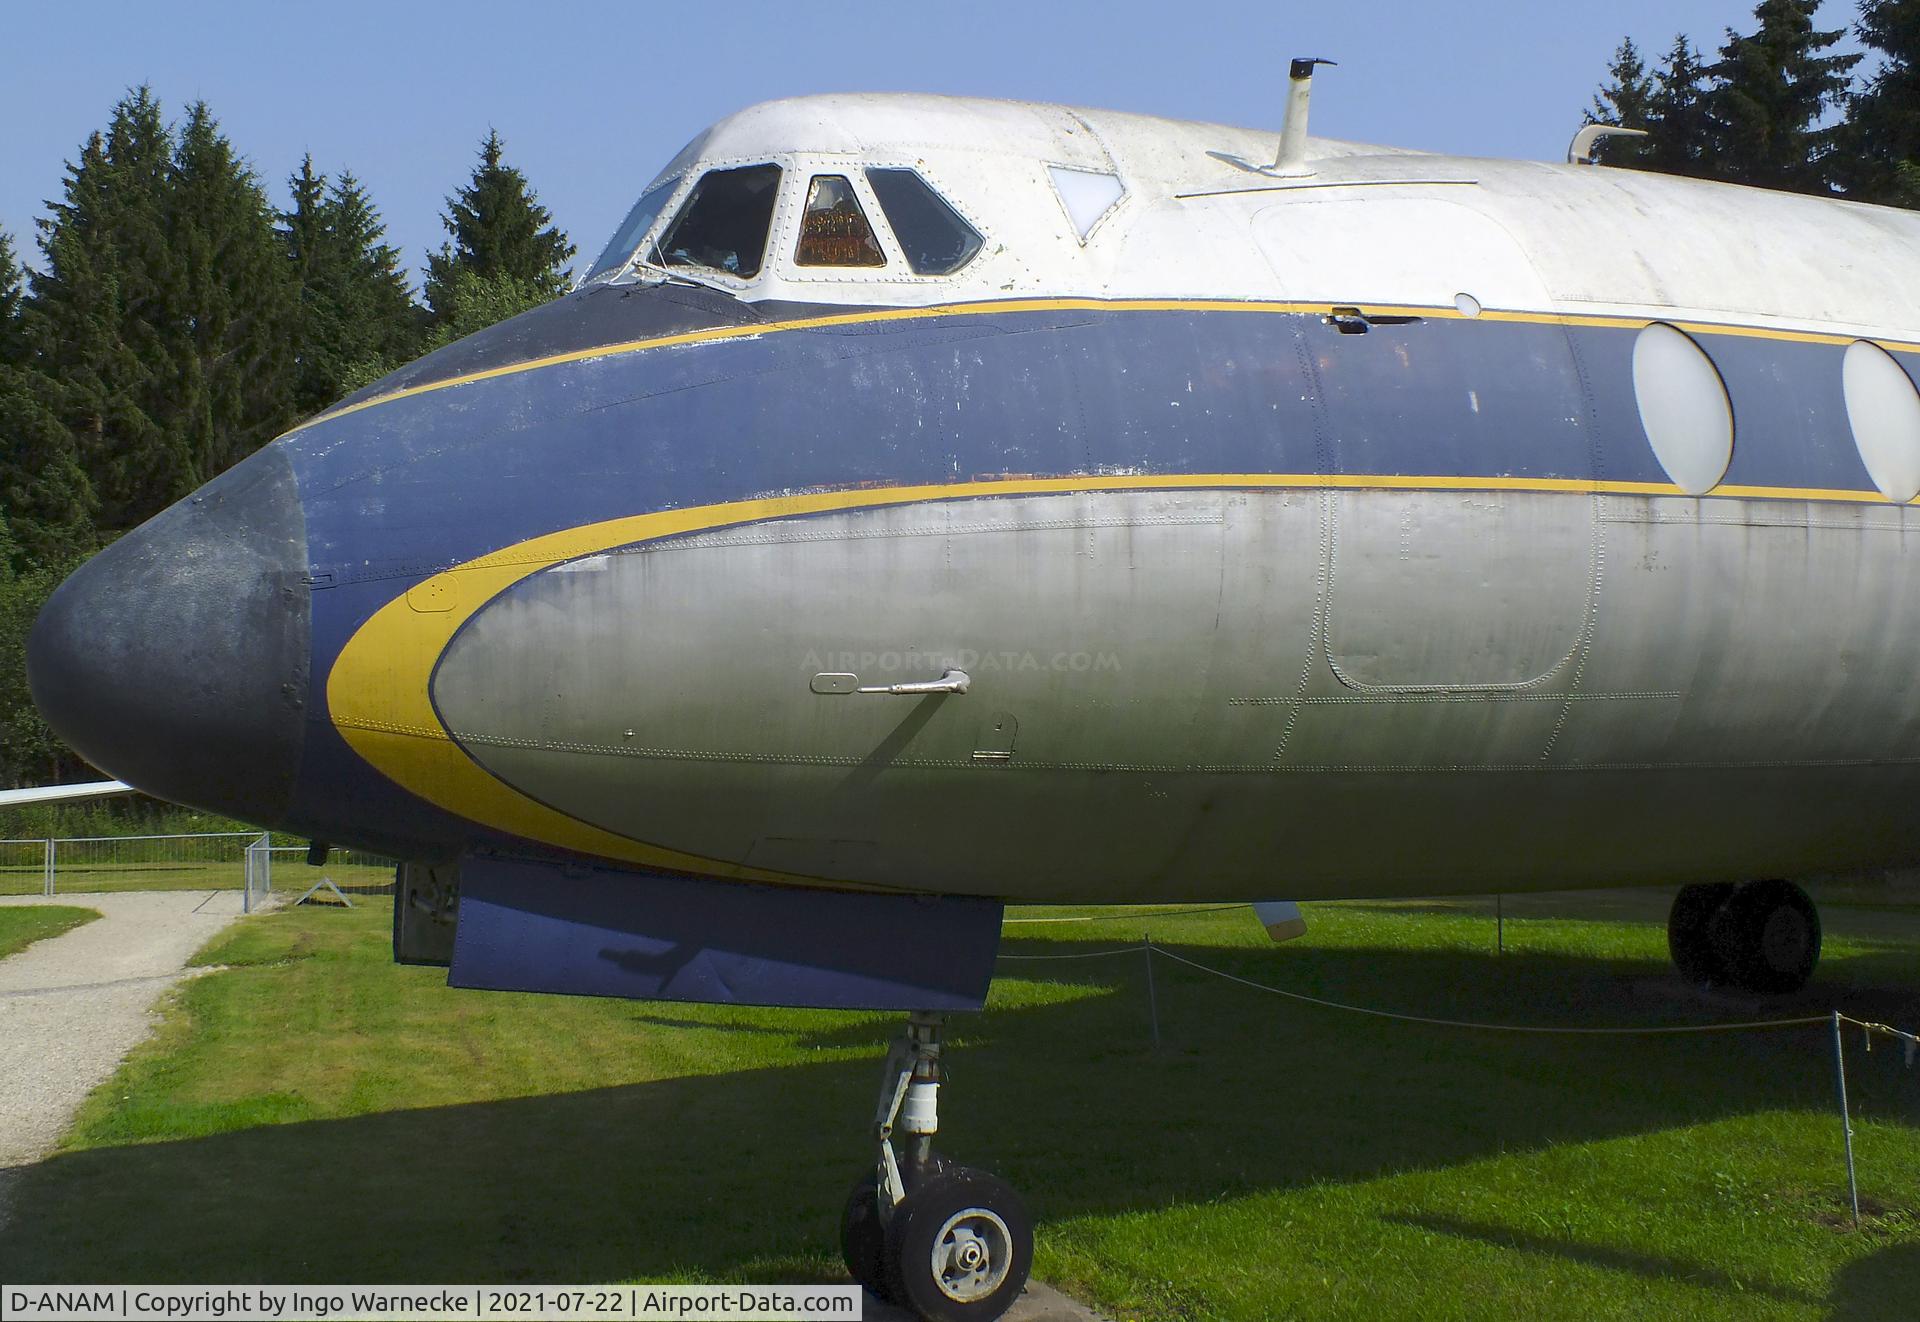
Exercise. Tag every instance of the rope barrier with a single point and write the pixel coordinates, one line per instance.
(1091, 954)
(1130, 916)
(1493, 1028)
(1645, 1030)
(1910, 1040)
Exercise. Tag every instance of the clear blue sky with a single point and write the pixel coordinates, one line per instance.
(592, 98)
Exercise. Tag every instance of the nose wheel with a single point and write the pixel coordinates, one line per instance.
(1759, 936)
(948, 1242)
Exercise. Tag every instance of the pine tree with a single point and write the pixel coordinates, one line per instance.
(356, 319)
(303, 233)
(97, 312)
(504, 250)
(13, 341)
(163, 310)
(1627, 103)
(233, 313)
(1678, 115)
(42, 487)
(1775, 87)
(378, 298)
(1882, 160)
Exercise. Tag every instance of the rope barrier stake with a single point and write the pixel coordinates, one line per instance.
(1846, 1121)
(1153, 1000)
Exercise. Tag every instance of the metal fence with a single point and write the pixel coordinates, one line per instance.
(231, 860)
(26, 867)
(351, 870)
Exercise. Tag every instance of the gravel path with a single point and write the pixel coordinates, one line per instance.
(71, 1007)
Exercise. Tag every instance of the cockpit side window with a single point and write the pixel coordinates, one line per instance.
(833, 229)
(931, 233)
(725, 221)
(634, 227)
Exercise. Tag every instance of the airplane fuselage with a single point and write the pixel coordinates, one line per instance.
(1326, 553)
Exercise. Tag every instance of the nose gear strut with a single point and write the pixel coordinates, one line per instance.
(951, 1243)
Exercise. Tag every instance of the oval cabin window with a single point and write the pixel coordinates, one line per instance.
(1684, 408)
(1883, 407)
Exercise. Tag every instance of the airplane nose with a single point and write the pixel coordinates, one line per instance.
(177, 658)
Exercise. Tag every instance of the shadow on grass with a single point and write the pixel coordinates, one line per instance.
(1878, 1287)
(742, 1173)
(1651, 1266)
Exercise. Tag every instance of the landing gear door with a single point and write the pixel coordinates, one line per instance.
(426, 908)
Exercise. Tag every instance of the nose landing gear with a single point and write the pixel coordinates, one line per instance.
(951, 1243)
(1759, 936)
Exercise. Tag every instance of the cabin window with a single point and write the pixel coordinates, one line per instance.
(1883, 408)
(634, 227)
(725, 222)
(833, 229)
(934, 238)
(1087, 195)
(1684, 408)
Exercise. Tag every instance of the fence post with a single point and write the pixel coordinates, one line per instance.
(1846, 1120)
(1500, 924)
(1153, 1001)
(49, 867)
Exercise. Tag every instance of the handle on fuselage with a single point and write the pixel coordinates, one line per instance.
(954, 681)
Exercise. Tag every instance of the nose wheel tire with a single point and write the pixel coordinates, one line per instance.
(1759, 936)
(863, 1236)
(959, 1247)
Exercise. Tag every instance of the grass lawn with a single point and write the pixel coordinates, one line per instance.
(314, 1113)
(22, 925)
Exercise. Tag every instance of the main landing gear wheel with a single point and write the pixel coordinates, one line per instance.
(951, 1243)
(1760, 936)
(1687, 924)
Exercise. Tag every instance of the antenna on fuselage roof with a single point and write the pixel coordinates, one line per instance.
(1591, 136)
(1292, 156)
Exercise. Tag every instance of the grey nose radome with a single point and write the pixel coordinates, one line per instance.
(176, 659)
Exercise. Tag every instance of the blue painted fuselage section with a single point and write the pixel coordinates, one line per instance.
(404, 488)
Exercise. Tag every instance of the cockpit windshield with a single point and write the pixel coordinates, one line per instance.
(724, 224)
(932, 234)
(634, 227)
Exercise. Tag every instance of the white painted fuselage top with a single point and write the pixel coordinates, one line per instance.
(1198, 216)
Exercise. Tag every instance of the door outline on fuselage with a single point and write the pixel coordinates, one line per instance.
(1415, 256)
